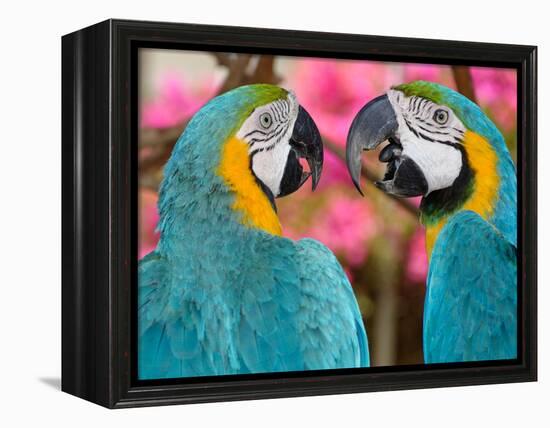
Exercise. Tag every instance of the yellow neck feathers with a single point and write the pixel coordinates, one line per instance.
(482, 160)
(250, 200)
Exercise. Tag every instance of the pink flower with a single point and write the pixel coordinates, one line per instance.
(334, 171)
(176, 100)
(432, 73)
(416, 267)
(334, 91)
(496, 90)
(345, 225)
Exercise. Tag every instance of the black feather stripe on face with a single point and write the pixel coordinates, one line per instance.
(280, 112)
(419, 119)
(265, 131)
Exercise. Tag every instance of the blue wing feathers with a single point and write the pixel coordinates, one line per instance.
(332, 328)
(289, 308)
(471, 298)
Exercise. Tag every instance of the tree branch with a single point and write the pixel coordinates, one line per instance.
(464, 82)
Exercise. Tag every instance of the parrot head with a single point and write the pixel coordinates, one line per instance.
(441, 146)
(251, 139)
(278, 132)
(426, 129)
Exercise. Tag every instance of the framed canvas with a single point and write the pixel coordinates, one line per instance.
(253, 213)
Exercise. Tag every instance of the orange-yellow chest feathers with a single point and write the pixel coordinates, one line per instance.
(482, 160)
(251, 203)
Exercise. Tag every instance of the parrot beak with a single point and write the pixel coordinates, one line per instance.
(305, 143)
(375, 123)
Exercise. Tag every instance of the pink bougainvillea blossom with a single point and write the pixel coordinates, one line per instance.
(340, 89)
(433, 73)
(496, 90)
(345, 226)
(335, 171)
(177, 99)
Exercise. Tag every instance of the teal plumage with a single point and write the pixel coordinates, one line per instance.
(470, 309)
(221, 297)
(471, 297)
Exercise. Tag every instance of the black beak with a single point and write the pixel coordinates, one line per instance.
(375, 123)
(306, 143)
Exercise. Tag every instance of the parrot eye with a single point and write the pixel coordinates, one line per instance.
(266, 120)
(441, 116)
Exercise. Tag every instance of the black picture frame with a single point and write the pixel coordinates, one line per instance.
(99, 211)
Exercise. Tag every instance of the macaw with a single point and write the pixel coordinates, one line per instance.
(443, 148)
(224, 292)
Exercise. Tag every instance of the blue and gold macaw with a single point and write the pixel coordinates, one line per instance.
(444, 148)
(224, 292)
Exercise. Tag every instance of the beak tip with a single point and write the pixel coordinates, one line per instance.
(358, 187)
(316, 177)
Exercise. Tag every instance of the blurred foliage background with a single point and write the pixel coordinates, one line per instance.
(378, 239)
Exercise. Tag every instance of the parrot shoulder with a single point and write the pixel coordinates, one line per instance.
(471, 296)
(329, 310)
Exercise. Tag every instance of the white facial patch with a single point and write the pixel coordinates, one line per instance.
(439, 163)
(429, 134)
(267, 132)
(270, 167)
